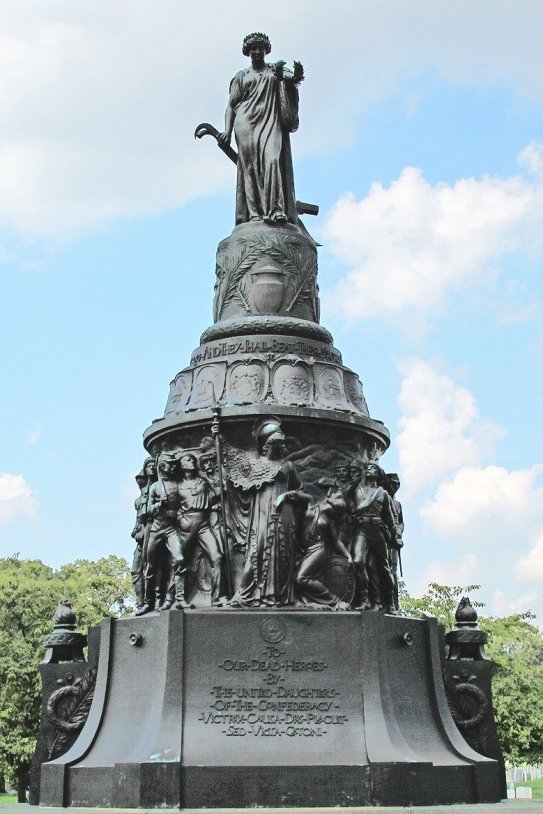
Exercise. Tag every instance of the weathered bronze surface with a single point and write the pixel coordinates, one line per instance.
(267, 663)
(262, 111)
(266, 361)
(68, 683)
(468, 684)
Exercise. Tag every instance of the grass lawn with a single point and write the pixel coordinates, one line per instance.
(8, 799)
(537, 788)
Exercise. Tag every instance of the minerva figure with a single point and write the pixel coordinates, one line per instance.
(262, 110)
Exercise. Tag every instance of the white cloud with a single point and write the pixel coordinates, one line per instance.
(502, 605)
(505, 502)
(98, 101)
(463, 570)
(498, 513)
(521, 314)
(16, 498)
(480, 523)
(408, 246)
(440, 429)
(530, 567)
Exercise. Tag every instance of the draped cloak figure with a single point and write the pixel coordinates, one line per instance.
(266, 111)
(266, 518)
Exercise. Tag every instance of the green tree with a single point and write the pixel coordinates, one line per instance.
(97, 589)
(439, 600)
(29, 595)
(516, 648)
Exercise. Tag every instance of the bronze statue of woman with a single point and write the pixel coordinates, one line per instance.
(262, 110)
(270, 522)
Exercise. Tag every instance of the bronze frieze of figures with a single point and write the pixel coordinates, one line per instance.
(251, 526)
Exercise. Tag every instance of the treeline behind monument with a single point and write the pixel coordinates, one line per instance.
(30, 592)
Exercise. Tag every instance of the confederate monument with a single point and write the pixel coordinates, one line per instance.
(267, 662)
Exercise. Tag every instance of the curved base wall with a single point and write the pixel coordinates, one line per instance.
(232, 708)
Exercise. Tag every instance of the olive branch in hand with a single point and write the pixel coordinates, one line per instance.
(297, 74)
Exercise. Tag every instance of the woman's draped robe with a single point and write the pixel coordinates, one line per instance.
(266, 111)
(270, 537)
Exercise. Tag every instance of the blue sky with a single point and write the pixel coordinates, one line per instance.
(421, 139)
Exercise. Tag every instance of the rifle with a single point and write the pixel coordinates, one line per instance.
(215, 432)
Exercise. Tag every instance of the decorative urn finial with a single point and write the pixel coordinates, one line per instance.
(64, 617)
(64, 643)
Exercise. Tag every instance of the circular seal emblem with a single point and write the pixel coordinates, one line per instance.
(272, 630)
(338, 576)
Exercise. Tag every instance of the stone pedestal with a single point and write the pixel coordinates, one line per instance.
(67, 690)
(285, 708)
(270, 704)
(265, 269)
(266, 354)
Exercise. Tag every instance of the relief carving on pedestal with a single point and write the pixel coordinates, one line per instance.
(263, 518)
(268, 288)
(179, 392)
(68, 708)
(292, 383)
(354, 392)
(329, 386)
(468, 704)
(208, 385)
(264, 274)
(247, 382)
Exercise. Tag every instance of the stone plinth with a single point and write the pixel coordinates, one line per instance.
(266, 269)
(282, 708)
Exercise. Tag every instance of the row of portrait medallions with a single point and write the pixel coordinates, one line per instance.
(257, 379)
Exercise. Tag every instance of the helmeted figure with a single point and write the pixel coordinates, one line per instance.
(262, 110)
(374, 527)
(270, 521)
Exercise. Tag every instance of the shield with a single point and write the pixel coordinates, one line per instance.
(338, 576)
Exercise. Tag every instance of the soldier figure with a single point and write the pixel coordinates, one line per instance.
(164, 537)
(209, 470)
(393, 484)
(356, 483)
(375, 525)
(140, 533)
(342, 475)
(197, 498)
